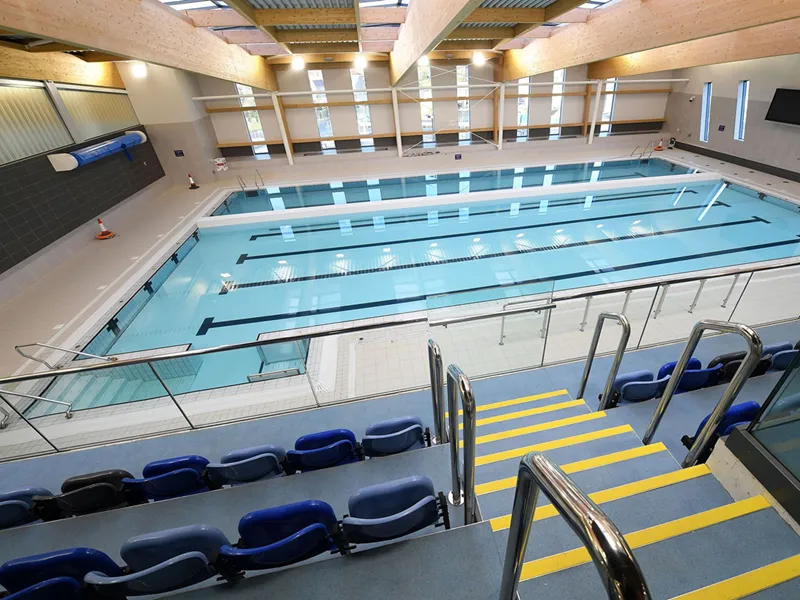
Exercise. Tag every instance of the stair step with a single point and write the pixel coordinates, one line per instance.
(651, 535)
(553, 444)
(577, 466)
(515, 401)
(749, 583)
(546, 511)
(547, 425)
(527, 413)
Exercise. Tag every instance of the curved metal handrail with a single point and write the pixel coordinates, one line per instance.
(751, 360)
(623, 343)
(437, 393)
(47, 364)
(67, 414)
(463, 488)
(622, 577)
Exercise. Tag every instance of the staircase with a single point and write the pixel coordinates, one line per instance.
(690, 538)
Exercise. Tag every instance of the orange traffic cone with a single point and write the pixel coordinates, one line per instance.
(192, 184)
(660, 146)
(105, 233)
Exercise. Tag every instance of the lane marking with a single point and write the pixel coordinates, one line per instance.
(627, 490)
(578, 466)
(504, 435)
(552, 445)
(748, 583)
(646, 537)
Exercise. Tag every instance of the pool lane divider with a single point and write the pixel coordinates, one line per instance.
(209, 323)
(232, 285)
(454, 214)
(245, 257)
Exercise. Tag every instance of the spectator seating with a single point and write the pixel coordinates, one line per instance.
(248, 464)
(637, 386)
(393, 436)
(169, 478)
(739, 414)
(15, 506)
(324, 449)
(85, 494)
(694, 377)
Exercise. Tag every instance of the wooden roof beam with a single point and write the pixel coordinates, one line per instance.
(246, 10)
(60, 67)
(144, 30)
(632, 25)
(775, 39)
(551, 13)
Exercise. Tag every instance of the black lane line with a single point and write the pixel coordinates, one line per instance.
(208, 322)
(452, 214)
(230, 286)
(245, 257)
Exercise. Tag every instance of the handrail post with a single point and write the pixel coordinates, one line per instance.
(751, 360)
(437, 393)
(622, 577)
(612, 375)
(463, 489)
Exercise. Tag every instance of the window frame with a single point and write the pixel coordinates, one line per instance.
(705, 111)
(742, 100)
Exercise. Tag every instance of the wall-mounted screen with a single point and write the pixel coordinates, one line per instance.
(785, 107)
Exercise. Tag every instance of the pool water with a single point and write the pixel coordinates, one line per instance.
(238, 282)
(375, 190)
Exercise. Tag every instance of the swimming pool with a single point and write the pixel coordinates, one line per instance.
(375, 190)
(240, 281)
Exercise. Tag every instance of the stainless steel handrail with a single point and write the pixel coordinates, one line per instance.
(463, 491)
(622, 577)
(517, 303)
(440, 435)
(47, 364)
(751, 359)
(68, 414)
(612, 375)
(479, 317)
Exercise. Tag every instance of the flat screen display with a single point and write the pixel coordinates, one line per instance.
(785, 107)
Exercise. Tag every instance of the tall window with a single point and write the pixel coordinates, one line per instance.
(705, 112)
(557, 102)
(609, 102)
(462, 91)
(741, 110)
(523, 103)
(426, 108)
(253, 121)
(324, 124)
(359, 82)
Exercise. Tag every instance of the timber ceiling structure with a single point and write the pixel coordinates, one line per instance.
(242, 40)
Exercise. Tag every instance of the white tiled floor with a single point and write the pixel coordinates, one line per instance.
(372, 362)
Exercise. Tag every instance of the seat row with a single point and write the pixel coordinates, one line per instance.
(192, 474)
(644, 385)
(168, 560)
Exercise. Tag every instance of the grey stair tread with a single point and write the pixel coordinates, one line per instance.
(789, 590)
(687, 562)
(450, 565)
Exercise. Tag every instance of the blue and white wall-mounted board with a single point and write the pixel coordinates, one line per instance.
(69, 161)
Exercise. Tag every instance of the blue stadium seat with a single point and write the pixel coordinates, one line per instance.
(393, 436)
(15, 506)
(86, 494)
(637, 386)
(694, 377)
(736, 415)
(324, 449)
(169, 478)
(73, 563)
(161, 562)
(58, 588)
(248, 464)
(781, 360)
(283, 535)
(786, 405)
(775, 348)
(394, 509)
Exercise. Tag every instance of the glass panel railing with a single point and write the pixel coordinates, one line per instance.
(18, 438)
(777, 289)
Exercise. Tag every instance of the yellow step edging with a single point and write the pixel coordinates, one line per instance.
(578, 466)
(552, 445)
(527, 413)
(748, 583)
(616, 493)
(504, 435)
(515, 401)
(645, 537)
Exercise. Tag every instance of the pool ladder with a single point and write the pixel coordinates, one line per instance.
(648, 150)
(256, 178)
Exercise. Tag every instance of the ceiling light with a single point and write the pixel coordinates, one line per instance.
(476, 239)
(225, 274)
(139, 69)
(478, 59)
(423, 62)
(360, 62)
(281, 262)
(298, 63)
(340, 256)
(387, 249)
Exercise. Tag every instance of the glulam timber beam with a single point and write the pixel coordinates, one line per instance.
(506, 15)
(427, 24)
(326, 58)
(636, 26)
(60, 67)
(551, 13)
(246, 10)
(776, 39)
(294, 36)
(145, 30)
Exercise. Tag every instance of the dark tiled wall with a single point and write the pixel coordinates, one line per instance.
(39, 205)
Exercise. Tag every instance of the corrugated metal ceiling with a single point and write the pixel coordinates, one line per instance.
(301, 3)
(516, 3)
